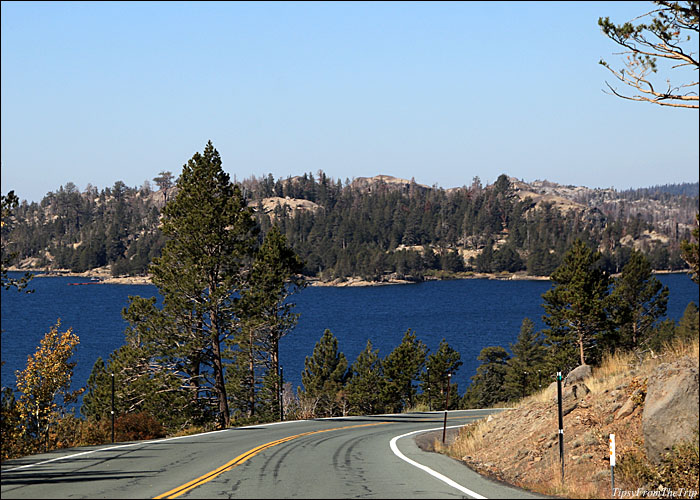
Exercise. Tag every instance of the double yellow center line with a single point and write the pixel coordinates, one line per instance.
(181, 490)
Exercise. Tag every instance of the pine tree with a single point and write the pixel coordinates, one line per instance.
(265, 309)
(690, 251)
(688, 324)
(667, 331)
(201, 269)
(486, 386)
(325, 373)
(402, 367)
(243, 379)
(638, 301)
(365, 383)
(438, 366)
(521, 377)
(97, 398)
(149, 376)
(268, 397)
(575, 308)
(9, 203)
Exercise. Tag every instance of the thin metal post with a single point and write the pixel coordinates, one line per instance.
(561, 426)
(113, 407)
(430, 403)
(612, 480)
(447, 402)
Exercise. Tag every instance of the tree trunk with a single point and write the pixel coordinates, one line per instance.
(276, 365)
(219, 383)
(193, 373)
(251, 375)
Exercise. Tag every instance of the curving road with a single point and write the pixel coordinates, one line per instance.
(351, 457)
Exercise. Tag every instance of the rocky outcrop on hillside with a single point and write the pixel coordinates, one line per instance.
(288, 204)
(670, 215)
(371, 184)
(671, 407)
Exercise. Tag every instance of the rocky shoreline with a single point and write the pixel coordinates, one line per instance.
(104, 276)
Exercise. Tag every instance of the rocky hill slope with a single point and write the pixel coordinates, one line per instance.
(650, 406)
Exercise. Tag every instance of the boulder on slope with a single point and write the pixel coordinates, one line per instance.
(670, 414)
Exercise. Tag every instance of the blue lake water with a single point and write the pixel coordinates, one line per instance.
(469, 314)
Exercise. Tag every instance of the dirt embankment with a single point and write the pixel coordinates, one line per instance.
(521, 446)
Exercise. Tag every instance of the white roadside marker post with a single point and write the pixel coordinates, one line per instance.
(612, 464)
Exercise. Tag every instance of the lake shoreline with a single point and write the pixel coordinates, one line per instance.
(104, 276)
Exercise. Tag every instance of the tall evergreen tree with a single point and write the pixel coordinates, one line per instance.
(690, 251)
(325, 373)
(149, 373)
(96, 401)
(402, 367)
(575, 308)
(365, 382)
(688, 325)
(201, 269)
(9, 203)
(439, 365)
(667, 331)
(521, 378)
(265, 309)
(486, 388)
(638, 301)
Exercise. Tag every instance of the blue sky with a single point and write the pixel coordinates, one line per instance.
(442, 92)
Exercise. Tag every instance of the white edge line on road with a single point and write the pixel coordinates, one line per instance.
(430, 471)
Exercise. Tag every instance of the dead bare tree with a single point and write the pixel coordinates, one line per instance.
(671, 35)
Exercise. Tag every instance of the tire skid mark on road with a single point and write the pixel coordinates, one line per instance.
(277, 456)
(281, 456)
(318, 442)
(354, 475)
(336, 455)
(205, 478)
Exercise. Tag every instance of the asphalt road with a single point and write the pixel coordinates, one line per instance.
(353, 457)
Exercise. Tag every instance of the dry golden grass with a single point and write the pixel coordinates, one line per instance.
(615, 370)
(540, 397)
(417, 408)
(675, 349)
(469, 439)
(611, 371)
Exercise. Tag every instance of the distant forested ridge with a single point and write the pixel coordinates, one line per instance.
(666, 191)
(379, 228)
